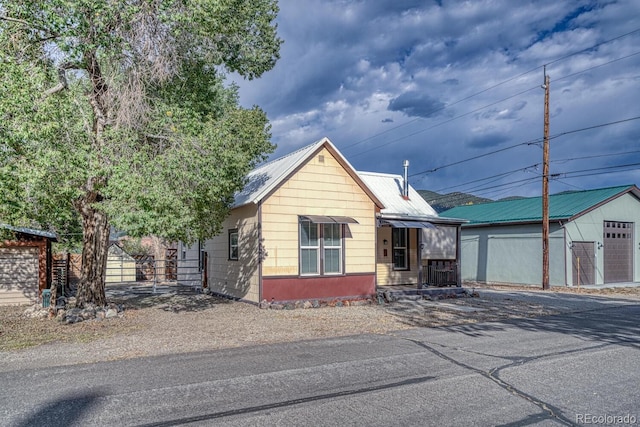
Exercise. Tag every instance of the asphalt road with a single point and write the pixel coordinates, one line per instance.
(581, 367)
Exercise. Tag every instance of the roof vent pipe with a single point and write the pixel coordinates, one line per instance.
(405, 186)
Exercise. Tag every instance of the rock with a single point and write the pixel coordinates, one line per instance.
(274, 306)
(307, 304)
(315, 303)
(111, 313)
(289, 306)
(264, 304)
(88, 313)
(339, 304)
(299, 304)
(72, 318)
(100, 314)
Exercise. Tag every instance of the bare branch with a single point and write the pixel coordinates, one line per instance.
(17, 21)
(30, 25)
(62, 77)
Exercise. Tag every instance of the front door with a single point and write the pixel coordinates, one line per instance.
(584, 263)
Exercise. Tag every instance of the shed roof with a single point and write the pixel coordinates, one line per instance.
(566, 205)
(31, 231)
(265, 179)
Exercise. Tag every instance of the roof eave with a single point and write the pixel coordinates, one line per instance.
(425, 218)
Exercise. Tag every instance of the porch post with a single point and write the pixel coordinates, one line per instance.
(458, 255)
(419, 251)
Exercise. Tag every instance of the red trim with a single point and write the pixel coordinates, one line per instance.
(325, 287)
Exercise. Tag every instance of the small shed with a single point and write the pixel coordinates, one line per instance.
(25, 265)
(121, 267)
(593, 238)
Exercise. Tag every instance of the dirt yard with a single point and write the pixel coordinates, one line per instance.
(170, 323)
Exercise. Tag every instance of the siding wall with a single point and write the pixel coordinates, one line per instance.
(589, 228)
(18, 275)
(320, 187)
(511, 254)
(386, 274)
(24, 270)
(238, 279)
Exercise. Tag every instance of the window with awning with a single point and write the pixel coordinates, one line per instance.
(324, 219)
(322, 245)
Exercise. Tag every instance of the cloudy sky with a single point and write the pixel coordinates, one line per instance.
(455, 87)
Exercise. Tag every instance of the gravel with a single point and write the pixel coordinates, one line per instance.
(157, 324)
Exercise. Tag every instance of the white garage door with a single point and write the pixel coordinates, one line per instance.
(18, 275)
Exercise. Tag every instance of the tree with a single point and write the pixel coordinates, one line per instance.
(116, 113)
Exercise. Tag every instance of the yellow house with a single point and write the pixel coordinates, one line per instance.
(309, 226)
(304, 227)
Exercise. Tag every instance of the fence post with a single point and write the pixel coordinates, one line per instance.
(155, 268)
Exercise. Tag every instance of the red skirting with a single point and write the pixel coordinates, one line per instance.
(326, 287)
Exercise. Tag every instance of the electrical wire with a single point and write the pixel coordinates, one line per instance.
(493, 87)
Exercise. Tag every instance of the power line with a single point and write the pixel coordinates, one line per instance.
(593, 47)
(553, 176)
(495, 86)
(527, 168)
(482, 108)
(442, 123)
(524, 169)
(595, 156)
(531, 142)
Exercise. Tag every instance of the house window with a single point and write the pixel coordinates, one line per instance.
(233, 244)
(332, 247)
(320, 248)
(400, 249)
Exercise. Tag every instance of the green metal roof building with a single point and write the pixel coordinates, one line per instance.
(593, 238)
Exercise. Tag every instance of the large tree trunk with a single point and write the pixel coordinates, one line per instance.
(95, 243)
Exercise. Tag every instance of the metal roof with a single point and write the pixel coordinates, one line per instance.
(266, 178)
(388, 188)
(566, 205)
(31, 231)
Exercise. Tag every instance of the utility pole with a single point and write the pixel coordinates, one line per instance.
(545, 186)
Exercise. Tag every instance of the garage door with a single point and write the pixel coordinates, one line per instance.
(18, 275)
(618, 252)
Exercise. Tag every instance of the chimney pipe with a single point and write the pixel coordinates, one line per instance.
(405, 187)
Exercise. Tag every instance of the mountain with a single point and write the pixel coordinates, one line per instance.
(442, 202)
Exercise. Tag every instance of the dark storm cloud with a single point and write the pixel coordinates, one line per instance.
(487, 140)
(349, 69)
(416, 104)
